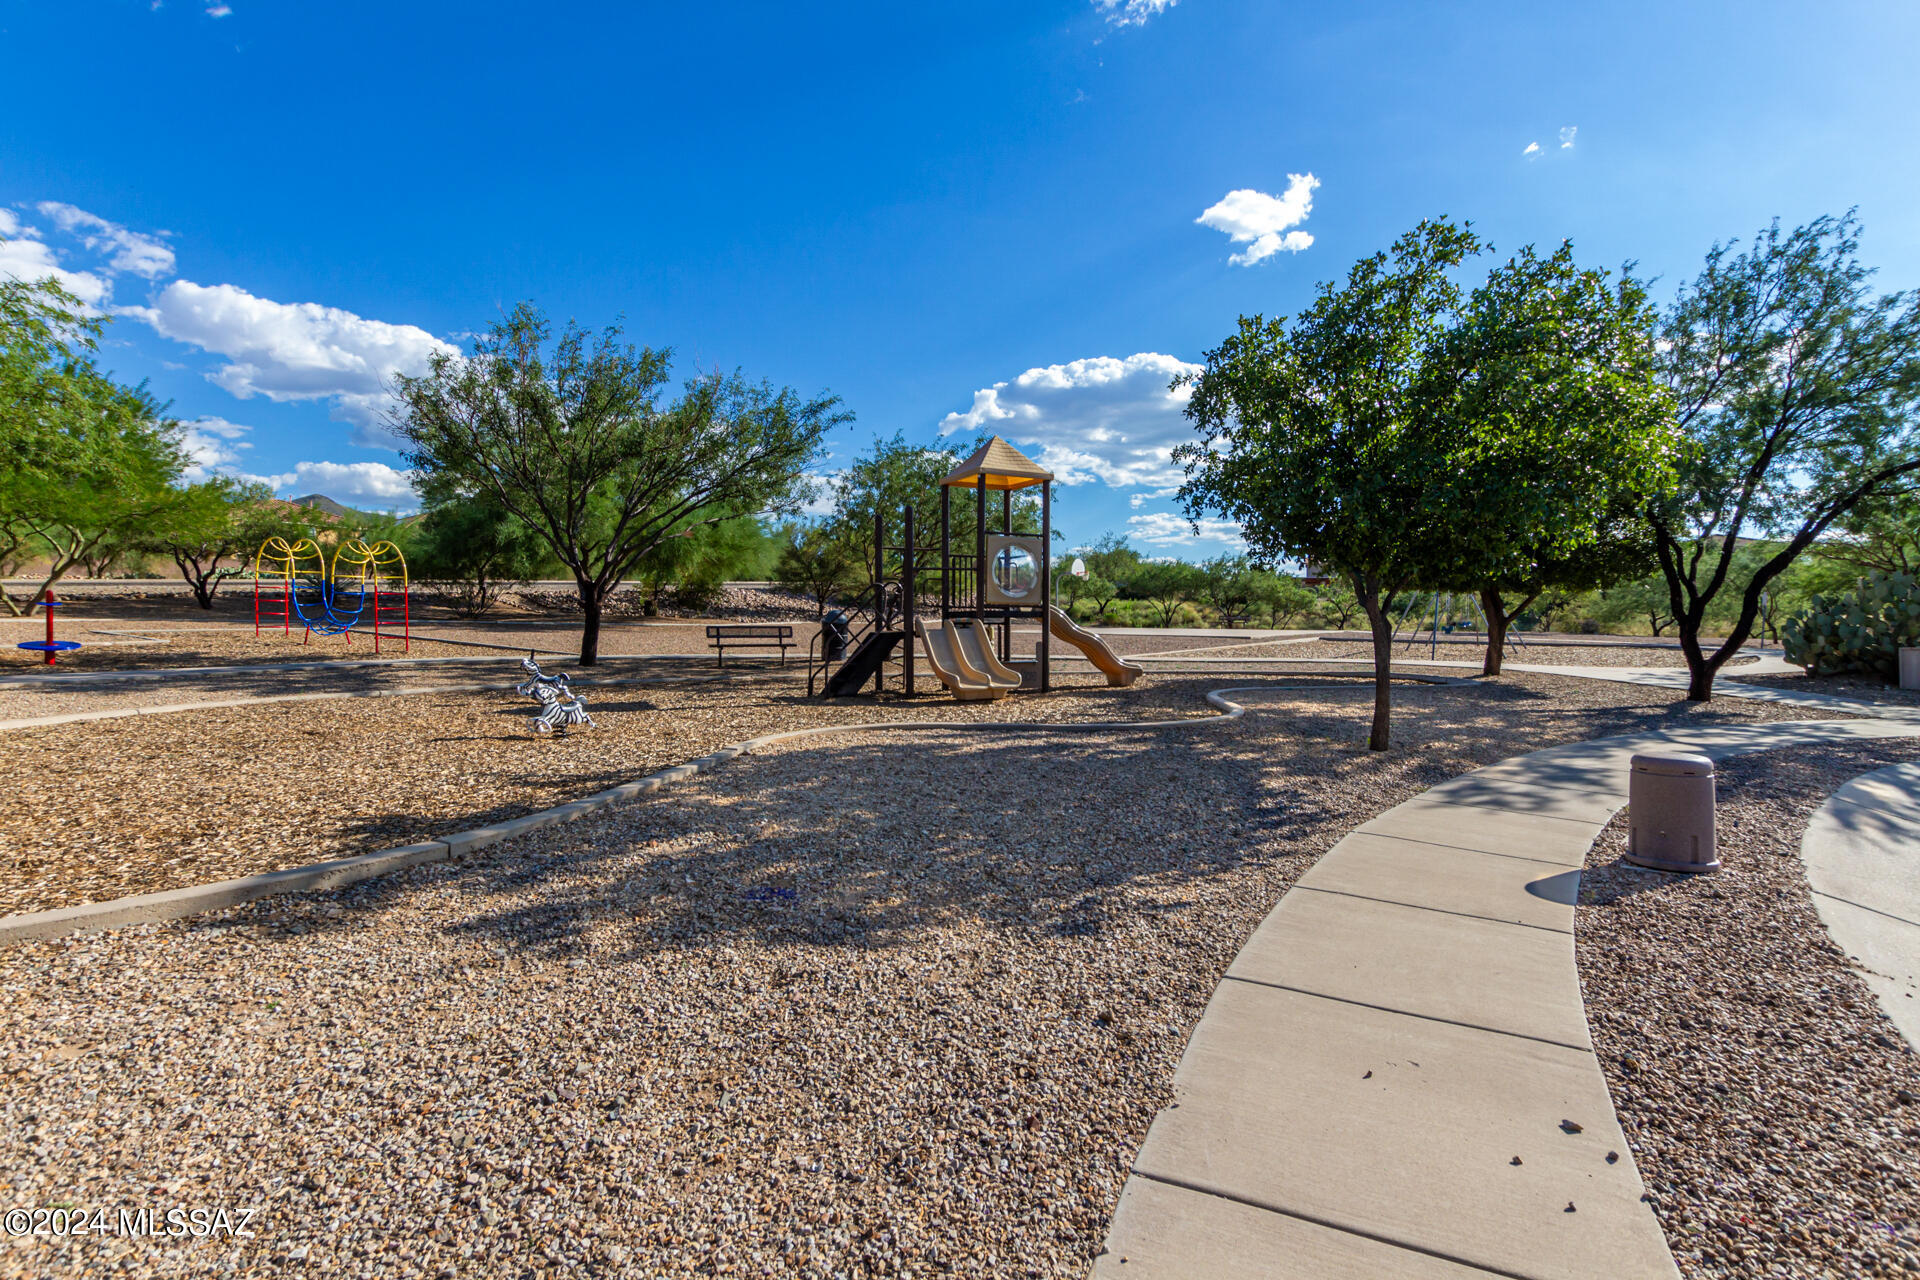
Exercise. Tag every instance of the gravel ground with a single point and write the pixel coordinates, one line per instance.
(1862, 687)
(883, 1005)
(184, 648)
(155, 687)
(1773, 1109)
(233, 791)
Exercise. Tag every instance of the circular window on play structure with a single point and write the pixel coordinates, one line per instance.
(1016, 573)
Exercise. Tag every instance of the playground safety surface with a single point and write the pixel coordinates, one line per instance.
(893, 1003)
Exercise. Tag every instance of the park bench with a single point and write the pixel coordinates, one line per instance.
(743, 636)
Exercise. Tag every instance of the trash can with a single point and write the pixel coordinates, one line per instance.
(837, 635)
(1670, 812)
(1909, 667)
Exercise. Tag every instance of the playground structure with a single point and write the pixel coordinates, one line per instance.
(1004, 577)
(51, 647)
(362, 583)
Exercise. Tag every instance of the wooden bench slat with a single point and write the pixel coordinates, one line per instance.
(724, 636)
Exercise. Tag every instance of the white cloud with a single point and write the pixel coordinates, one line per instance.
(144, 255)
(24, 256)
(219, 10)
(820, 500)
(1132, 13)
(1533, 149)
(213, 446)
(357, 484)
(1566, 136)
(295, 351)
(1163, 529)
(1261, 221)
(1098, 419)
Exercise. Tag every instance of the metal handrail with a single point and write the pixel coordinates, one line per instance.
(863, 623)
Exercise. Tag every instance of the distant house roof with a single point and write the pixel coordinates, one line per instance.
(1002, 466)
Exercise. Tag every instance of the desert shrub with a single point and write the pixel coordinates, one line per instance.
(1862, 630)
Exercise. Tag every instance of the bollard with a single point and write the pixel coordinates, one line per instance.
(1670, 812)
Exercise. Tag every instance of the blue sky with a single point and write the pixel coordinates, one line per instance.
(1023, 217)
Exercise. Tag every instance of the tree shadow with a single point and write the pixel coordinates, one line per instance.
(1050, 832)
(828, 855)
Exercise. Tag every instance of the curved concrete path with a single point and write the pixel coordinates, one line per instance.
(1862, 850)
(1378, 1086)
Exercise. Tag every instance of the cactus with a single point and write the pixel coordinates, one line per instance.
(1862, 631)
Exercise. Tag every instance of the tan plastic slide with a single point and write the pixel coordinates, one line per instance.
(965, 681)
(1118, 670)
(975, 647)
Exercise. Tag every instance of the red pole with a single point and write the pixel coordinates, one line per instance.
(47, 609)
(376, 615)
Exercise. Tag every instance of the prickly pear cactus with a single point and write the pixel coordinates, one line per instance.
(1862, 631)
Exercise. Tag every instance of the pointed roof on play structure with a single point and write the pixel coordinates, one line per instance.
(1001, 465)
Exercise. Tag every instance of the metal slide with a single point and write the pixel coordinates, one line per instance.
(1117, 669)
(866, 661)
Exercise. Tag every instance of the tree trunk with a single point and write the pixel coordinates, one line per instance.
(1495, 608)
(1378, 736)
(1700, 668)
(204, 584)
(590, 623)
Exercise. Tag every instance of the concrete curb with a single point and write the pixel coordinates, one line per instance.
(148, 908)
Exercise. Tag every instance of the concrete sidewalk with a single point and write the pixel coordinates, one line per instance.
(1395, 1076)
(1862, 851)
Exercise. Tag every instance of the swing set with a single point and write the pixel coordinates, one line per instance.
(362, 583)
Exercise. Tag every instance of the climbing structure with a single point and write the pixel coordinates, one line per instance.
(362, 584)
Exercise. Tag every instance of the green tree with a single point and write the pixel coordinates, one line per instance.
(884, 481)
(1622, 605)
(694, 565)
(1796, 389)
(1165, 585)
(215, 521)
(1068, 586)
(1227, 585)
(1318, 438)
(1101, 593)
(1557, 431)
(1284, 599)
(895, 474)
(816, 562)
(1335, 603)
(101, 469)
(474, 549)
(571, 438)
(1110, 558)
(1881, 534)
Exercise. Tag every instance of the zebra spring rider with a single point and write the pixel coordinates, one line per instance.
(559, 705)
